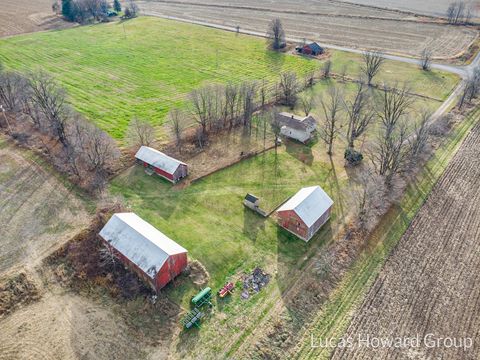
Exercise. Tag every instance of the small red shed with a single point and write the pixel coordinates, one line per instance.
(305, 212)
(155, 258)
(163, 165)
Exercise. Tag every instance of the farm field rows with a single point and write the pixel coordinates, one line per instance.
(333, 319)
(37, 212)
(22, 16)
(427, 7)
(112, 75)
(430, 284)
(363, 28)
(114, 72)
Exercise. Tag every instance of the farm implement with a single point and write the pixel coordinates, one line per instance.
(193, 318)
(227, 289)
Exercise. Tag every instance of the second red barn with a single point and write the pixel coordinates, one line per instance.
(167, 167)
(305, 212)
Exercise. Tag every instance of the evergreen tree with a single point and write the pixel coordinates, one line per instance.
(116, 6)
(67, 9)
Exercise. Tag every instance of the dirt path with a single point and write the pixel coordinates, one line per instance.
(431, 282)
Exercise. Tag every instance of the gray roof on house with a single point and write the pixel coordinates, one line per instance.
(296, 122)
(158, 159)
(309, 204)
(140, 242)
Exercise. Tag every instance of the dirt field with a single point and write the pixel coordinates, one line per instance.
(37, 213)
(23, 16)
(335, 23)
(427, 7)
(430, 284)
(66, 326)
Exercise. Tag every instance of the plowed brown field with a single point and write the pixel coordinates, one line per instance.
(22, 16)
(336, 23)
(431, 282)
(37, 212)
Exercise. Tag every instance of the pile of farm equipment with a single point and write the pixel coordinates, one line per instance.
(254, 282)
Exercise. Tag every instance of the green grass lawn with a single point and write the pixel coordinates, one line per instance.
(112, 78)
(209, 219)
(348, 91)
(436, 84)
(145, 66)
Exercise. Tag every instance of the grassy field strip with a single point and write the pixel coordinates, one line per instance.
(334, 319)
(111, 78)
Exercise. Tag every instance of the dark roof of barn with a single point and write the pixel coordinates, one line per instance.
(315, 47)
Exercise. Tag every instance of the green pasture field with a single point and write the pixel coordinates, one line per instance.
(112, 75)
(144, 67)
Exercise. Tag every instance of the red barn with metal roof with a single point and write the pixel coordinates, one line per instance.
(167, 167)
(156, 258)
(305, 212)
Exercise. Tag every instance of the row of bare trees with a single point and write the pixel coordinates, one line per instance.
(41, 116)
(394, 145)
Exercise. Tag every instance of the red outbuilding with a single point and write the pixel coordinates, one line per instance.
(155, 257)
(305, 212)
(167, 167)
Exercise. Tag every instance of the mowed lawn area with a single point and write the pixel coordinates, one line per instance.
(209, 219)
(144, 67)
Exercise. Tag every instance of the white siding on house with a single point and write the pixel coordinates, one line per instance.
(295, 134)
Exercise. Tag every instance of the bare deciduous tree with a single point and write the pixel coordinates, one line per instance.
(131, 9)
(276, 34)
(420, 134)
(369, 198)
(326, 69)
(372, 62)
(177, 120)
(460, 12)
(140, 132)
(248, 90)
(50, 99)
(275, 125)
(391, 149)
(13, 90)
(201, 101)
(360, 116)
(426, 59)
(309, 79)
(231, 99)
(289, 89)
(330, 125)
(307, 102)
(471, 87)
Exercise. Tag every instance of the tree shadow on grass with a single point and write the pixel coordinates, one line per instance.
(300, 151)
(253, 224)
